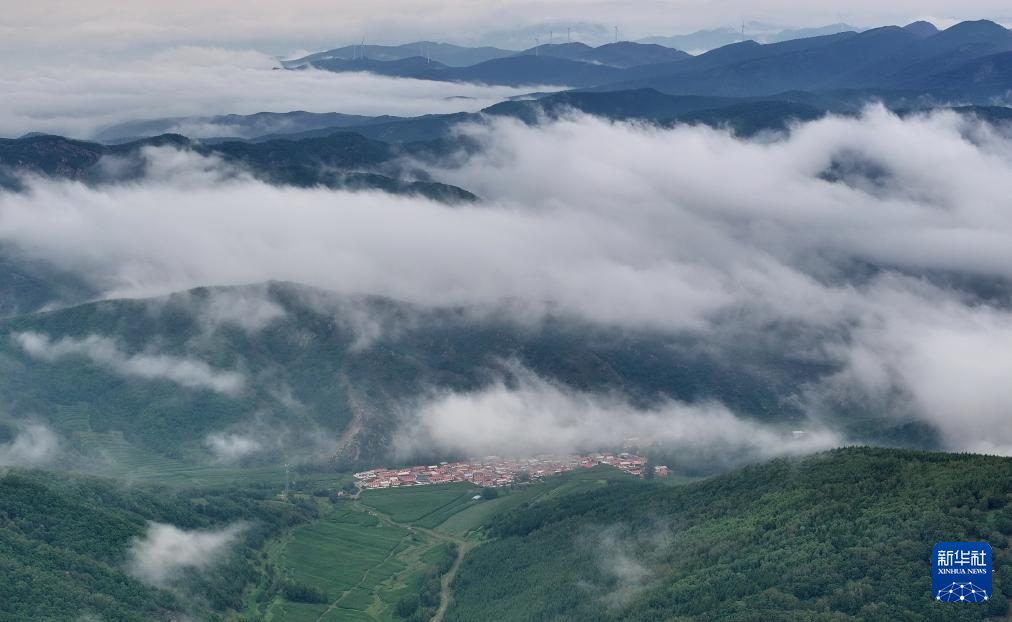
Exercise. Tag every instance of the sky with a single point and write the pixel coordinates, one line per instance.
(31, 31)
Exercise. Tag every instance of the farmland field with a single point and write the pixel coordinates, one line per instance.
(366, 555)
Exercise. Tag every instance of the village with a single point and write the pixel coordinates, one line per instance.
(495, 472)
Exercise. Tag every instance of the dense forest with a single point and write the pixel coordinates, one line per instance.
(65, 543)
(845, 535)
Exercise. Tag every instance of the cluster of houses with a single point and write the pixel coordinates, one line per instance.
(494, 472)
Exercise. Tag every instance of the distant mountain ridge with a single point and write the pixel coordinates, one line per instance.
(444, 53)
(917, 57)
(704, 40)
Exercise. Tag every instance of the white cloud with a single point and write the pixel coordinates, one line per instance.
(103, 351)
(229, 448)
(622, 225)
(532, 417)
(34, 445)
(166, 552)
(249, 308)
(929, 355)
(77, 98)
(625, 558)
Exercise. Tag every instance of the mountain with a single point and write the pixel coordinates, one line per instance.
(411, 67)
(443, 53)
(298, 369)
(930, 58)
(28, 285)
(234, 125)
(751, 118)
(897, 60)
(755, 69)
(641, 104)
(620, 54)
(922, 29)
(836, 537)
(890, 59)
(521, 70)
(337, 160)
(705, 40)
(977, 79)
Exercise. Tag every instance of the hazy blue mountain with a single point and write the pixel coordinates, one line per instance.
(415, 129)
(746, 115)
(753, 69)
(521, 70)
(709, 39)
(643, 104)
(750, 118)
(410, 67)
(804, 33)
(889, 58)
(621, 54)
(935, 55)
(234, 125)
(444, 53)
(979, 79)
(922, 29)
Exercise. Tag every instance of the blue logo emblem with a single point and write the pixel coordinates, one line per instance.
(961, 572)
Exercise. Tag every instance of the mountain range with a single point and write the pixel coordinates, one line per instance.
(965, 58)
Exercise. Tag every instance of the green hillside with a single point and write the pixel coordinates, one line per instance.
(841, 536)
(325, 364)
(64, 544)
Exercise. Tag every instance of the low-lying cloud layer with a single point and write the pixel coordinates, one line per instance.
(536, 417)
(166, 553)
(881, 246)
(78, 101)
(105, 352)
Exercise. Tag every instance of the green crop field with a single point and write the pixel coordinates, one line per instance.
(338, 554)
(414, 504)
(362, 562)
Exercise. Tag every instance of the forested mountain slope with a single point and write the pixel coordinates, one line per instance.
(841, 536)
(66, 548)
